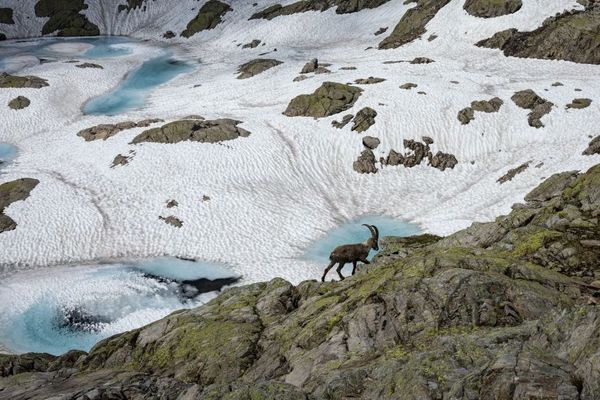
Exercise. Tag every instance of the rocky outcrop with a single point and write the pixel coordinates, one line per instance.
(310, 66)
(593, 147)
(539, 107)
(203, 131)
(342, 7)
(412, 24)
(368, 81)
(467, 114)
(65, 18)
(209, 16)
(6, 16)
(19, 103)
(364, 119)
(11, 192)
(492, 8)
(132, 5)
(513, 172)
(255, 67)
(365, 164)
(419, 152)
(487, 313)
(329, 99)
(14, 81)
(105, 131)
(580, 103)
(571, 36)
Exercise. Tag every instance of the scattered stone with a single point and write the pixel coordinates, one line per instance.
(539, 107)
(421, 92)
(253, 44)
(300, 78)
(209, 16)
(322, 70)
(348, 68)
(422, 60)
(579, 103)
(169, 35)
(365, 164)
(412, 24)
(19, 103)
(13, 81)
(442, 161)
(466, 115)
(172, 203)
(455, 82)
(557, 84)
(369, 81)
(364, 119)
(205, 198)
(206, 131)
(380, 31)
(418, 153)
(513, 172)
(121, 160)
(432, 37)
(593, 147)
(105, 131)
(256, 66)
(408, 86)
(310, 66)
(90, 65)
(345, 120)
(172, 220)
(370, 142)
(492, 8)
(330, 98)
(11, 192)
(577, 90)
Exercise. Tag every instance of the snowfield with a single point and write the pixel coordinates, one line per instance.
(275, 192)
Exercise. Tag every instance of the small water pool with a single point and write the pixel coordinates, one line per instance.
(132, 92)
(354, 232)
(7, 153)
(63, 308)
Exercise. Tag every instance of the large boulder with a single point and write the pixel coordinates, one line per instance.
(492, 8)
(19, 103)
(208, 17)
(364, 119)
(329, 99)
(539, 107)
(255, 67)
(365, 164)
(593, 147)
(204, 131)
(65, 18)
(11, 192)
(14, 81)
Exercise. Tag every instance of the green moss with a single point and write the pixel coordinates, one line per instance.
(532, 243)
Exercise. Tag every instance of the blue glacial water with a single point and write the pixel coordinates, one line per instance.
(354, 232)
(7, 153)
(73, 307)
(132, 92)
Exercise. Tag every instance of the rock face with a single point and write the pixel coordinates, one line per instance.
(593, 147)
(501, 310)
(209, 16)
(365, 118)
(11, 192)
(19, 103)
(492, 8)
(207, 131)
(539, 107)
(105, 131)
(365, 164)
(330, 98)
(579, 103)
(419, 152)
(412, 24)
(467, 114)
(255, 67)
(14, 81)
(343, 7)
(571, 36)
(6, 16)
(65, 18)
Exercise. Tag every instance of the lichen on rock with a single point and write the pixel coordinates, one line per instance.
(256, 66)
(14, 81)
(329, 99)
(492, 8)
(203, 131)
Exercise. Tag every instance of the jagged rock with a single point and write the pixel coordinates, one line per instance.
(365, 164)
(579, 103)
(571, 36)
(6, 16)
(90, 65)
(172, 220)
(342, 7)
(466, 115)
(132, 5)
(11, 192)
(120, 160)
(593, 147)
(368, 81)
(381, 31)
(422, 60)
(172, 203)
(442, 161)
(19, 103)
(66, 18)
(330, 98)
(492, 8)
(169, 35)
(370, 142)
(204, 131)
(345, 120)
(13, 81)
(513, 172)
(310, 66)
(253, 44)
(412, 24)
(539, 107)
(209, 16)
(408, 86)
(256, 66)
(364, 119)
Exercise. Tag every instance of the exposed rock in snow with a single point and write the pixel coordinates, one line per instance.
(13, 81)
(345, 121)
(11, 192)
(539, 107)
(251, 45)
(6, 16)
(343, 7)
(492, 8)
(19, 103)
(255, 67)
(364, 119)
(370, 142)
(209, 16)
(89, 65)
(368, 81)
(467, 114)
(172, 220)
(105, 131)
(365, 164)
(593, 147)
(330, 98)
(65, 18)
(310, 66)
(207, 131)
(579, 103)
(513, 172)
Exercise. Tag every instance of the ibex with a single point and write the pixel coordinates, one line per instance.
(353, 253)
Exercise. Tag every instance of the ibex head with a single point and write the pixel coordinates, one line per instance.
(373, 242)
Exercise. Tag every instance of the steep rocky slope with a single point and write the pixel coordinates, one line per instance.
(502, 310)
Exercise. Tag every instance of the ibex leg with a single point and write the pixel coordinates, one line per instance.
(331, 264)
(339, 270)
